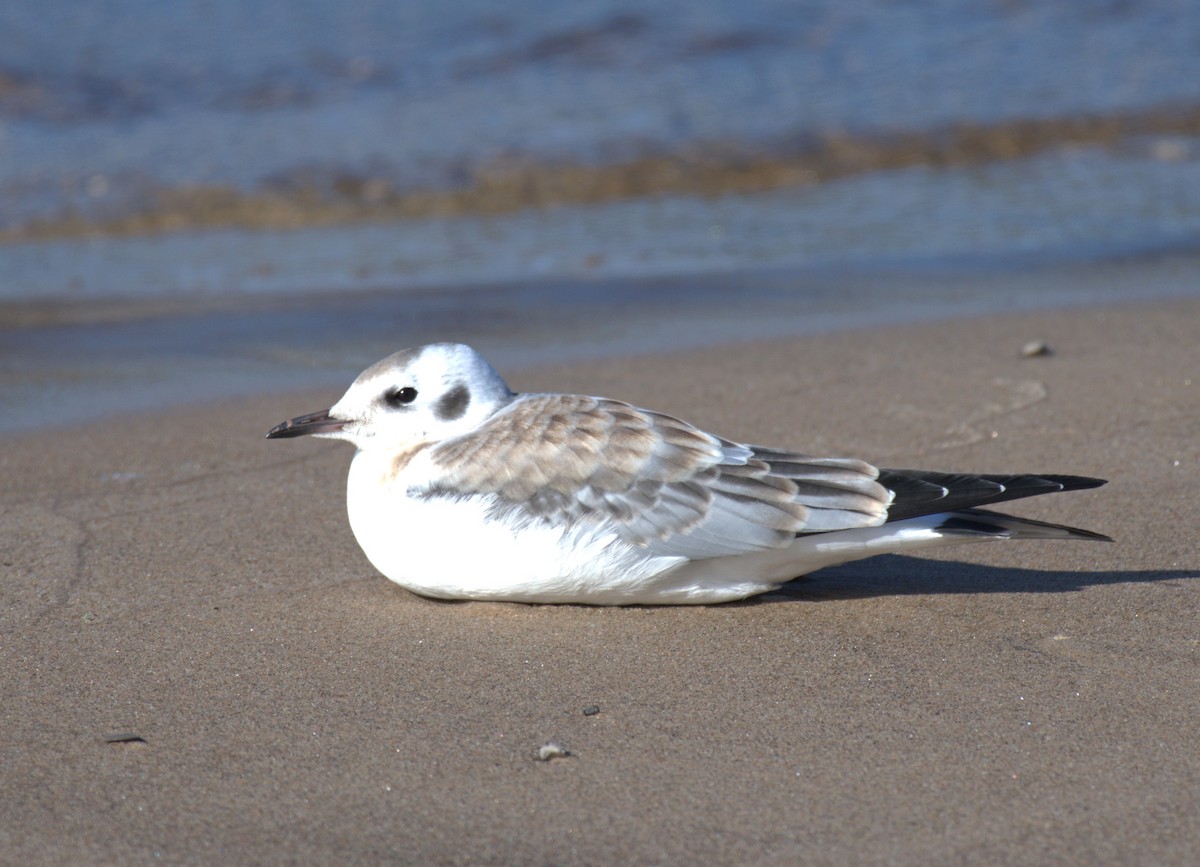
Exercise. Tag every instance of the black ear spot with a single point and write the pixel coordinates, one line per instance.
(396, 398)
(453, 403)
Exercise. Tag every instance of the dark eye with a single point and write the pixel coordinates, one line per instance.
(398, 397)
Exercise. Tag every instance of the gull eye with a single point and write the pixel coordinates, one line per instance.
(398, 397)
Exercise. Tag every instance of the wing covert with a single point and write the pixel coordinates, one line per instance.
(661, 483)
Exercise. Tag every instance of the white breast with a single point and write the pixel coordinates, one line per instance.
(449, 547)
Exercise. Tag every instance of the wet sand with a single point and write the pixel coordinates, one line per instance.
(199, 666)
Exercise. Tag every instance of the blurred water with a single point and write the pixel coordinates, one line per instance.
(102, 104)
(119, 107)
(77, 373)
(1081, 203)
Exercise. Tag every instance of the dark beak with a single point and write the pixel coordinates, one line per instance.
(313, 423)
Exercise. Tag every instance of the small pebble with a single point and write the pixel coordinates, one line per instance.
(549, 751)
(1036, 349)
(591, 710)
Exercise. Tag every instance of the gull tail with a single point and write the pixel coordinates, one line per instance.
(953, 500)
(993, 525)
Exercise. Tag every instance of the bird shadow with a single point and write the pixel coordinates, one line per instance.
(896, 575)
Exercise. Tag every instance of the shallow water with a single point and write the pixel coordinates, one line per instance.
(107, 107)
(73, 373)
(1064, 205)
(831, 165)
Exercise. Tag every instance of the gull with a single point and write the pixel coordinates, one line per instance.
(461, 488)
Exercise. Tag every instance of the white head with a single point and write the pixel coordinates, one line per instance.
(410, 398)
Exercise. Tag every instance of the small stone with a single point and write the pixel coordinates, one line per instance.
(549, 751)
(1036, 349)
(591, 710)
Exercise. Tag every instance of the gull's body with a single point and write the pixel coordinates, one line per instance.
(461, 489)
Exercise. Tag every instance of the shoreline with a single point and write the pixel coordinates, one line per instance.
(709, 169)
(20, 313)
(90, 360)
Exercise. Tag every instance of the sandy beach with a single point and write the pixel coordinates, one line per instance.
(200, 666)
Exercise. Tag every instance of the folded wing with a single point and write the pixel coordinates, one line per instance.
(660, 482)
(675, 490)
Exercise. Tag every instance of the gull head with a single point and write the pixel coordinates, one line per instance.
(413, 397)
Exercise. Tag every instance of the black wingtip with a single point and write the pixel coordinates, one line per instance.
(925, 492)
(982, 522)
(1077, 483)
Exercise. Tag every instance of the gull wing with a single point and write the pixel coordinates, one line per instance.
(658, 482)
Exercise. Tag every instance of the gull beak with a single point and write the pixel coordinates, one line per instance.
(313, 423)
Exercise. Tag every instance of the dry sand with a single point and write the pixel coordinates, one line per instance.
(180, 579)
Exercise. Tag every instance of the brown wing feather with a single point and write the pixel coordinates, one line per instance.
(566, 458)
